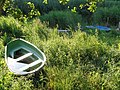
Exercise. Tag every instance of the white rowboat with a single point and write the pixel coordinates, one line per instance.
(22, 57)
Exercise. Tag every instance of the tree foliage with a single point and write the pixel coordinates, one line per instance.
(91, 4)
(12, 9)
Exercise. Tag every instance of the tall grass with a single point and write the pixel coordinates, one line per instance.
(80, 61)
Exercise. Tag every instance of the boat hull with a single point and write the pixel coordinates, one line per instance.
(22, 57)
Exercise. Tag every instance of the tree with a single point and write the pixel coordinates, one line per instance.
(91, 4)
(9, 7)
(1, 5)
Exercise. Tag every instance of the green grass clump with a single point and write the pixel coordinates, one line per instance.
(9, 28)
(10, 25)
(80, 61)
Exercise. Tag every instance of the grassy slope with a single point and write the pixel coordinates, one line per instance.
(77, 61)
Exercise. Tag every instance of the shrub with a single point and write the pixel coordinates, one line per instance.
(85, 55)
(9, 28)
(9, 25)
(35, 30)
(62, 19)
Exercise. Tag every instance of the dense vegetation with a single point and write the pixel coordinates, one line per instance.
(107, 12)
(76, 60)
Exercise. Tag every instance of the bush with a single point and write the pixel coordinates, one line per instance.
(62, 19)
(84, 54)
(35, 32)
(10, 28)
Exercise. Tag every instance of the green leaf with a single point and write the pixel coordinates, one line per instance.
(45, 1)
(74, 10)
